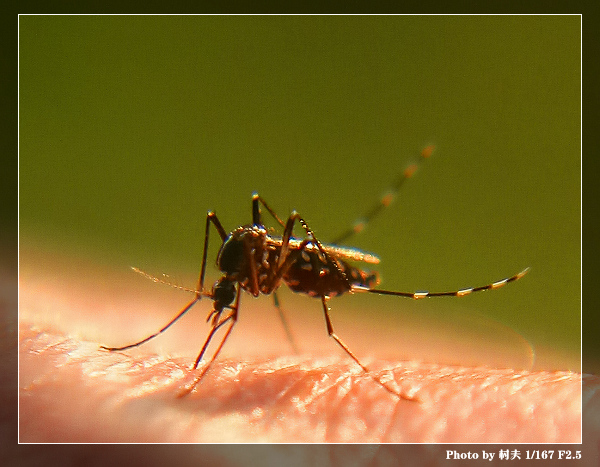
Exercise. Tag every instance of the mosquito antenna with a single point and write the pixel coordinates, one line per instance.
(170, 284)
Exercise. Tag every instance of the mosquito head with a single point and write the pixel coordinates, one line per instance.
(223, 293)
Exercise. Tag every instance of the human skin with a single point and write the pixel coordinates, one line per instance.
(73, 391)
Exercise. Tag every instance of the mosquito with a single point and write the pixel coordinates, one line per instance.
(254, 260)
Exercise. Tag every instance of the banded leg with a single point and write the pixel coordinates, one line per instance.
(211, 217)
(455, 293)
(386, 199)
(332, 334)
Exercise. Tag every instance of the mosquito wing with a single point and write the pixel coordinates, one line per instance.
(341, 252)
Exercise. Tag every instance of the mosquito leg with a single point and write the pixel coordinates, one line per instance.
(331, 333)
(385, 200)
(256, 218)
(179, 315)
(212, 332)
(284, 322)
(286, 260)
(455, 293)
(210, 217)
(287, 235)
(232, 319)
(283, 264)
(184, 392)
(326, 256)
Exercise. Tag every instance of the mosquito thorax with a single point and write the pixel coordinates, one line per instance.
(231, 257)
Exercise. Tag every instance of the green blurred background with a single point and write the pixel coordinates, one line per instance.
(132, 127)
